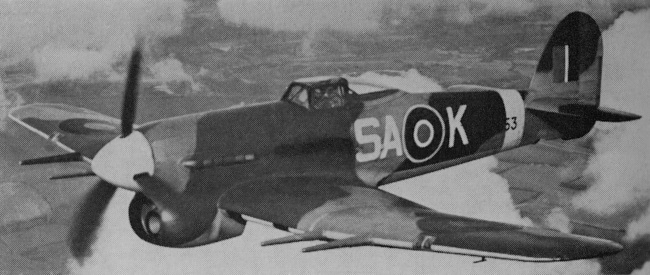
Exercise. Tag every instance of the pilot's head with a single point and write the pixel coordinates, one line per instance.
(329, 92)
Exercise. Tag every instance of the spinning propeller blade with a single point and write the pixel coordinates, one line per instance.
(131, 91)
(87, 219)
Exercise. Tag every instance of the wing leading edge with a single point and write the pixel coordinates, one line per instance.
(346, 215)
(74, 129)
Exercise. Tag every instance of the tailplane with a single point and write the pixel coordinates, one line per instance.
(565, 90)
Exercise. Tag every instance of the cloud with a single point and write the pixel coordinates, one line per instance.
(639, 227)
(622, 155)
(645, 269)
(410, 81)
(558, 220)
(8, 101)
(298, 15)
(368, 15)
(470, 190)
(68, 63)
(77, 38)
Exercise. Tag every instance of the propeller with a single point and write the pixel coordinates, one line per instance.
(129, 154)
(115, 164)
(87, 219)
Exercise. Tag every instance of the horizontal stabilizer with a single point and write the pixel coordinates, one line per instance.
(71, 157)
(611, 115)
(598, 113)
(567, 118)
(73, 175)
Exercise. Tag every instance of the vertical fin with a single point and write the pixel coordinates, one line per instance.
(567, 79)
(571, 64)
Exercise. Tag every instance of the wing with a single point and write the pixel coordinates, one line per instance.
(344, 215)
(71, 128)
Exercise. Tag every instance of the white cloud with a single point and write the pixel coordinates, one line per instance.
(355, 16)
(75, 38)
(620, 165)
(645, 270)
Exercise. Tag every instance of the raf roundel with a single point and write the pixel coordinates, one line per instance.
(423, 133)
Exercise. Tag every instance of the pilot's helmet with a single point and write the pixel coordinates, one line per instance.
(329, 91)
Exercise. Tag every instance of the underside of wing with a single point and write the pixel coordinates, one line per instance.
(346, 215)
(71, 128)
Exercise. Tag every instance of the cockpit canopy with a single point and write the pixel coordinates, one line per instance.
(319, 93)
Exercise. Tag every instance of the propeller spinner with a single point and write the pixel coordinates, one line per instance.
(123, 158)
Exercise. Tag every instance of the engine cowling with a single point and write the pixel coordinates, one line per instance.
(149, 222)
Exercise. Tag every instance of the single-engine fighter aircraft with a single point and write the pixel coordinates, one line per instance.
(310, 163)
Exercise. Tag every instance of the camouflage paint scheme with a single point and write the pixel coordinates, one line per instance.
(315, 171)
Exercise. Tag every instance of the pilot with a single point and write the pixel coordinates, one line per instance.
(303, 98)
(328, 97)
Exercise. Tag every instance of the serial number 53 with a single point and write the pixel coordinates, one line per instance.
(511, 123)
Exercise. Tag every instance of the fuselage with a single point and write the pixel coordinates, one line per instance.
(373, 139)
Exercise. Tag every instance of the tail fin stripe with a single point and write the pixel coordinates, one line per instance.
(566, 63)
